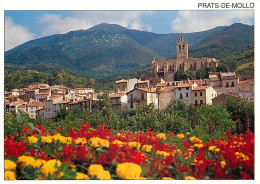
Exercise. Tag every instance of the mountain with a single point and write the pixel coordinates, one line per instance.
(108, 49)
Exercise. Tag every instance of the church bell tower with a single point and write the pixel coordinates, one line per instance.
(182, 49)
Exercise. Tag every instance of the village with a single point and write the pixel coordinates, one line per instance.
(159, 89)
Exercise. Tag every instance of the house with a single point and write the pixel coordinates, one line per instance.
(125, 84)
(31, 108)
(50, 110)
(246, 89)
(119, 101)
(142, 96)
(183, 91)
(166, 95)
(203, 95)
(221, 99)
(224, 82)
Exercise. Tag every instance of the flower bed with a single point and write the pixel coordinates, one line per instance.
(89, 153)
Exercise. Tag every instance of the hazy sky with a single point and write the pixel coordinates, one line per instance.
(22, 26)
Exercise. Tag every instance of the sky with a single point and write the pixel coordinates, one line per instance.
(22, 26)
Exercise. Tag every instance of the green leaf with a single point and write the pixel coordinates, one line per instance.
(63, 166)
(68, 175)
(20, 118)
(31, 125)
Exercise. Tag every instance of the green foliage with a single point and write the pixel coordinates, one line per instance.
(243, 111)
(222, 68)
(201, 74)
(181, 75)
(23, 78)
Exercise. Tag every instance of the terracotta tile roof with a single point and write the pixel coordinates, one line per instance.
(160, 85)
(34, 104)
(7, 103)
(200, 88)
(184, 85)
(199, 82)
(63, 102)
(245, 83)
(150, 90)
(117, 95)
(167, 89)
(54, 97)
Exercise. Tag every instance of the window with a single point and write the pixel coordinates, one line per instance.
(232, 84)
(142, 96)
(196, 103)
(179, 48)
(201, 102)
(195, 93)
(190, 66)
(187, 88)
(226, 85)
(201, 65)
(132, 105)
(180, 96)
(200, 93)
(180, 66)
(187, 94)
(179, 89)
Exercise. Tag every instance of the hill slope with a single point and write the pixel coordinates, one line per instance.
(108, 49)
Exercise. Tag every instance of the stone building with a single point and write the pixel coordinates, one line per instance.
(166, 68)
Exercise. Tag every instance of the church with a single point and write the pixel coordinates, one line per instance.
(166, 68)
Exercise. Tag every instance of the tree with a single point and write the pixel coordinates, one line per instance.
(201, 74)
(91, 82)
(222, 68)
(179, 75)
(158, 92)
(104, 104)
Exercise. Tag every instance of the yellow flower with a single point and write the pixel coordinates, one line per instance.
(162, 153)
(180, 136)
(49, 167)
(196, 162)
(187, 133)
(241, 155)
(167, 178)
(217, 150)
(134, 144)
(81, 140)
(212, 148)
(129, 171)
(10, 175)
(37, 163)
(10, 165)
(98, 171)
(26, 160)
(81, 176)
(97, 142)
(195, 139)
(119, 143)
(32, 139)
(223, 163)
(199, 145)
(189, 178)
(93, 170)
(104, 175)
(62, 139)
(47, 139)
(161, 136)
(147, 148)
